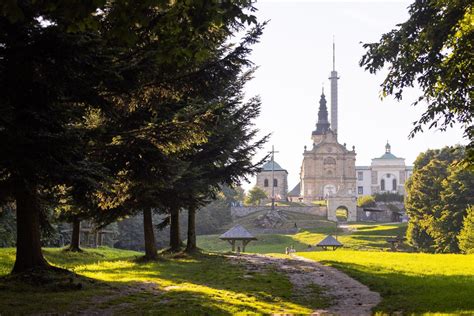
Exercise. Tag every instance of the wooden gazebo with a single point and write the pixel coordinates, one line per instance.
(329, 241)
(237, 233)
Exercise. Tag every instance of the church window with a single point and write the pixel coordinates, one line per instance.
(329, 173)
(388, 175)
(265, 183)
(360, 176)
(360, 190)
(394, 183)
(329, 161)
(382, 185)
(275, 182)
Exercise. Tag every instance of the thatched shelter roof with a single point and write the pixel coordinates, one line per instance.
(237, 232)
(329, 241)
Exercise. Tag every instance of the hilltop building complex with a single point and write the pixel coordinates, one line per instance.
(328, 170)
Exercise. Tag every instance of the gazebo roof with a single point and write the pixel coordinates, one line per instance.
(237, 232)
(329, 241)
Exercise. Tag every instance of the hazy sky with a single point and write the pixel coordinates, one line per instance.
(295, 58)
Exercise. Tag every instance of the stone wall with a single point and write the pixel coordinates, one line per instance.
(241, 211)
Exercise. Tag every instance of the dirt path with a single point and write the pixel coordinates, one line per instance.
(349, 297)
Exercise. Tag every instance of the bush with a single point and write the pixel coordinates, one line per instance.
(365, 201)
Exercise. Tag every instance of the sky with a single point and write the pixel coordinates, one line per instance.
(294, 57)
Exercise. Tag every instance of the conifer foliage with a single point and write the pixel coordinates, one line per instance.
(99, 100)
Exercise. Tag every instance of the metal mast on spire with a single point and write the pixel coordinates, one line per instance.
(333, 54)
(333, 78)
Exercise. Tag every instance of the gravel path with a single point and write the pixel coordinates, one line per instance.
(349, 297)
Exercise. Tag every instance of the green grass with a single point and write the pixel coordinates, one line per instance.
(360, 237)
(410, 283)
(202, 284)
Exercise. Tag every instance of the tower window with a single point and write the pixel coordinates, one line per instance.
(360, 176)
(275, 182)
(382, 185)
(265, 183)
(394, 183)
(360, 190)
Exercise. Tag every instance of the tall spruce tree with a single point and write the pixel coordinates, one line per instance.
(130, 61)
(178, 109)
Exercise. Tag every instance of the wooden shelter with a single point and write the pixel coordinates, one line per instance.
(237, 233)
(329, 241)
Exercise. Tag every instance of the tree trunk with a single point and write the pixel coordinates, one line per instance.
(175, 240)
(28, 242)
(76, 235)
(150, 242)
(191, 243)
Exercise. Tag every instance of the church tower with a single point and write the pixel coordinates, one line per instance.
(322, 126)
(333, 78)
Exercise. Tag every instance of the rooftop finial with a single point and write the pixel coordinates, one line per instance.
(322, 88)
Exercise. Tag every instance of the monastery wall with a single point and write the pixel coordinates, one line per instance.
(241, 211)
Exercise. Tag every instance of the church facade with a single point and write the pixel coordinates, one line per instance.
(328, 168)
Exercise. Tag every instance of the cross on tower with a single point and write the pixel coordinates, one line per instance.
(273, 176)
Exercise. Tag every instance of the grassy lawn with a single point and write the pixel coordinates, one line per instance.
(202, 284)
(409, 282)
(359, 236)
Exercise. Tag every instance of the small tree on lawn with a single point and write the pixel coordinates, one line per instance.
(255, 196)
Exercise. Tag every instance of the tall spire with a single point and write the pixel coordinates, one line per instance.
(333, 78)
(322, 126)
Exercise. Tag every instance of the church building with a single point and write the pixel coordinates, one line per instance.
(272, 170)
(328, 168)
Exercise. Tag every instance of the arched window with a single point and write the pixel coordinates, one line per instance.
(265, 183)
(275, 182)
(382, 185)
(394, 184)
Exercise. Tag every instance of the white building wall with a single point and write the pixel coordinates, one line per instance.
(363, 175)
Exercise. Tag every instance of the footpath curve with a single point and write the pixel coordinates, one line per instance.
(348, 296)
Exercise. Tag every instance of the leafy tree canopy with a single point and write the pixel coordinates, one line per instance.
(438, 193)
(434, 49)
(466, 236)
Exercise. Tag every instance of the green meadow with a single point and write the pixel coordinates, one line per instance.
(411, 283)
(117, 281)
